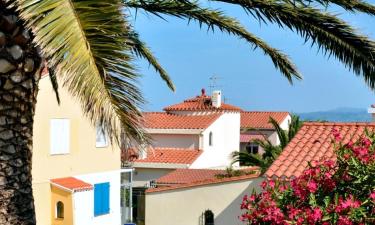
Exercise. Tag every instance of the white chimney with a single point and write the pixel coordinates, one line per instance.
(371, 110)
(216, 99)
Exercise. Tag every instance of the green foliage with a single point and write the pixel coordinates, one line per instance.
(230, 172)
(90, 45)
(271, 152)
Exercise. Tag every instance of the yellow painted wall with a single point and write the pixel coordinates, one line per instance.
(66, 198)
(84, 157)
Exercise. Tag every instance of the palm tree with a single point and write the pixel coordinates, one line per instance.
(88, 47)
(271, 151)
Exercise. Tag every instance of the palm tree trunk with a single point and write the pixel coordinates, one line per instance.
(19, 63)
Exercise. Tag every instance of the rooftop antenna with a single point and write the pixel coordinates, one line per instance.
(214, 83)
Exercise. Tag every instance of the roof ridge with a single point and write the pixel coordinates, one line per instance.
(205, 182)
(173, 148)
(259, 111)
(314, 123)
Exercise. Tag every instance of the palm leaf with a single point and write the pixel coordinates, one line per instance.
(327, 31)
(141, 50)
(281, 134)
(349, 5)
(215, 19)
(85, 41)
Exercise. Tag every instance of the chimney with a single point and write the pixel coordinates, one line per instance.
(216, 99)
(371, 110)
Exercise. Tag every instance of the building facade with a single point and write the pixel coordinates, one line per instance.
(76, 171)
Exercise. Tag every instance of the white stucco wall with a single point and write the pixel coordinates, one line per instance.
(141, 176)
(284, 125)
(226, 136)
(185, 206)
(189, 141)
(84, 201)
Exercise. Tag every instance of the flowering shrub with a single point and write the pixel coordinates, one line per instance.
(333, 192)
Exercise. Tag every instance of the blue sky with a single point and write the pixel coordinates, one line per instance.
(247, 78)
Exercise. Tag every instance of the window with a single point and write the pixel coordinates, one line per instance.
(208, 217)
(252, 148)
(101, 137)
(59, 210)
(210, 139)
(101, 199)
(60, 136)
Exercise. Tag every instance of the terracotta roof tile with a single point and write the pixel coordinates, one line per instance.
(72, 184)
(201, 102)
(260, 120)
(186, 178)
(160, 120)
(313, 142)
(170, 155)
(251, 137)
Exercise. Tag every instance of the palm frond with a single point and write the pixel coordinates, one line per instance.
(327, 31)
(281, 134)
(215, 19)
(55, 85)
(85, 41)
(350, 5)
(294, 125)
(141, 50)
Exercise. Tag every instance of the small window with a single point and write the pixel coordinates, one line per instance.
(210, 139)
(252, 148)
(59, 136)
(101, 137)
(101, 199)
(59, 210)
(209, 218)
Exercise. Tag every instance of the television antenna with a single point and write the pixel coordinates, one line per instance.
(214, 80)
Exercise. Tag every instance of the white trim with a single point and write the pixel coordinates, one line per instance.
(174, 131)
(62, 187)
(161, 165)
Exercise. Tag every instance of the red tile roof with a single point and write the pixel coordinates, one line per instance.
(186, 178)
(260, 120)
(201, 102)
(244, 138)
(160, 120)
(313, 142)
(170, 155)
(72, 184)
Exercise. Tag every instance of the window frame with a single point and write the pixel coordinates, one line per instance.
(103, 144)
(250, 148)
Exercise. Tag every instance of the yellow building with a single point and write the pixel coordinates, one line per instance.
(76, 171)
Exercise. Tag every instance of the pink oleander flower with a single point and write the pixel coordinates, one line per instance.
(312, 186)
(372, 196)
(271, 183)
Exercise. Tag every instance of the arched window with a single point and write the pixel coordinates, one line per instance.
(210, 139)
(209, 217)
(60, 210)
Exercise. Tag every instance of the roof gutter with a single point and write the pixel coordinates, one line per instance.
(160, 165)
(173, 131)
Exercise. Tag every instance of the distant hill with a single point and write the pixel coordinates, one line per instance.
(338, 115)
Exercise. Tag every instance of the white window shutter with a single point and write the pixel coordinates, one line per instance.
(60, 136)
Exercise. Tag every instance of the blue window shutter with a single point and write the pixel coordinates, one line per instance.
(101, 199)
(106, 197)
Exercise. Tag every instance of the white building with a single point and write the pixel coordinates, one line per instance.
(198, 133)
